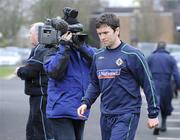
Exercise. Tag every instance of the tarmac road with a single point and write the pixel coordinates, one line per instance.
(14, 111)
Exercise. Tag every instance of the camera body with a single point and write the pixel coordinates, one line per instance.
(54, 28)
(78, 38)
(50, 33)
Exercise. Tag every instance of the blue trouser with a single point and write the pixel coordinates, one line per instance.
(165, 95)
(38, 126)
(67, 129)
(119, 127)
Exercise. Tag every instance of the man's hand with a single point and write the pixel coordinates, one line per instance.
(152, 123)
(15, 72)
(67, 36)
(81, 110)
(178, 91)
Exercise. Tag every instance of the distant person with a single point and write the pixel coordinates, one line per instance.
(35, 78)
(117, 72)
(163, 66)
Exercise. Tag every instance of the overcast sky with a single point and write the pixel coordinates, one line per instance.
(119, 2)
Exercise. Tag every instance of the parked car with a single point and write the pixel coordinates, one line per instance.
(176, 55)
(9, 58)
(147, 48)
(23, 52)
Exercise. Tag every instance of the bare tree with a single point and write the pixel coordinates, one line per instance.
(11, 17)
(52, 8)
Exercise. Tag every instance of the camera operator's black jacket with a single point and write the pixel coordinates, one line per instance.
(33, 72)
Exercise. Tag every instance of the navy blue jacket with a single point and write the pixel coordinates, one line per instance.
(163, 66)
(68, 70)
(118, 74)
(33, 72)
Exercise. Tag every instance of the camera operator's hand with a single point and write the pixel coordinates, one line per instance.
(67, 36)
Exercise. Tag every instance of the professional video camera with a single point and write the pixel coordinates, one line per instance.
(70, 16)
(50, 33)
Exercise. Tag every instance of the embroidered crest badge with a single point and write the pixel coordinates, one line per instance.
(119, 62)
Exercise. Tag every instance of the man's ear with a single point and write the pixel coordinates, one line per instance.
(117, 31)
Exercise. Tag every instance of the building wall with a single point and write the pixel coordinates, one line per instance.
(166, 28)
(127, 28)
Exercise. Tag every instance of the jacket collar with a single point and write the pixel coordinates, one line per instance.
(161, 50)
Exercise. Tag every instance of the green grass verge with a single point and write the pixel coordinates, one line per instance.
(6, 71)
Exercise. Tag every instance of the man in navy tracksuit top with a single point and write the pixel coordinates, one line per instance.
(163, 66)
(117, 72)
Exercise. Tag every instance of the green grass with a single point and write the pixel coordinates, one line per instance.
(6, 71)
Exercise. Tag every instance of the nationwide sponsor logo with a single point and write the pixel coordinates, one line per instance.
(108, 73)
(119, 62)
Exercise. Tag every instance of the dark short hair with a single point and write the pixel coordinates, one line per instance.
(161, 45)
(108, 19)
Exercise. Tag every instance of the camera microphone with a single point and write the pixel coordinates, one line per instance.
(60, 25)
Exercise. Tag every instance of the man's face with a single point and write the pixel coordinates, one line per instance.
(107, 35)
(33, 36)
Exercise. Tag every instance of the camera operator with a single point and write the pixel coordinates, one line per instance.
(37, 127)
(68, 67)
